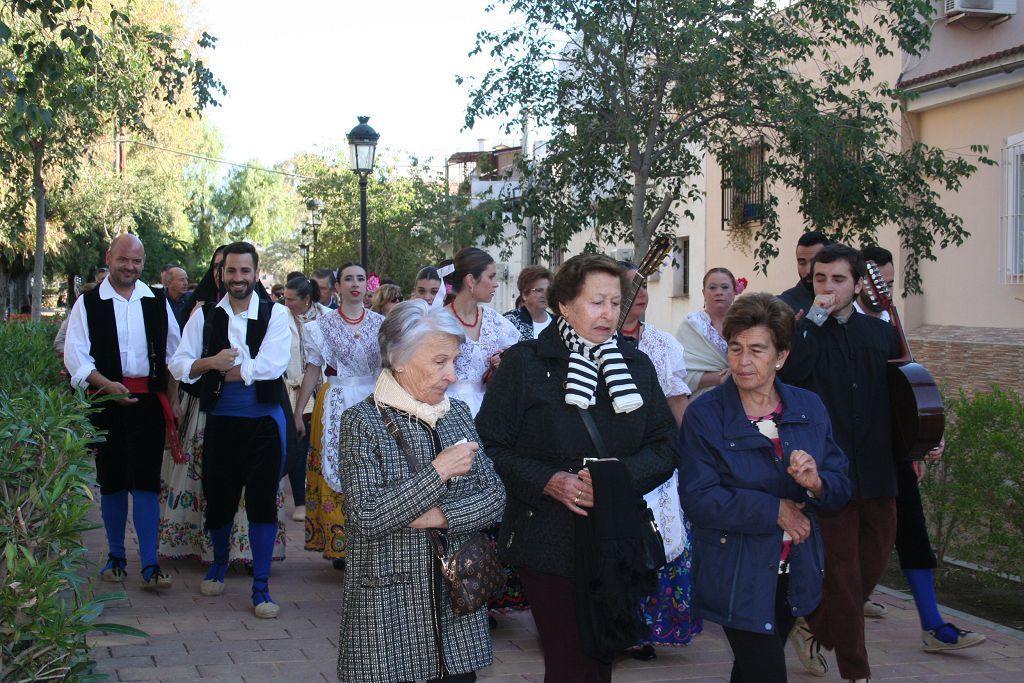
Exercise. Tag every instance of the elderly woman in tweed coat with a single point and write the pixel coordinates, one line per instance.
(397, 622)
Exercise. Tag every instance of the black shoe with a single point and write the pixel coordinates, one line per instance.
(339, 564)
(644, 653)
(492, 622)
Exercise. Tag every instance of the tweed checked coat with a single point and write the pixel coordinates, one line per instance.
(388, 630)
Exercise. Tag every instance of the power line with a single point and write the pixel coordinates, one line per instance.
(203, 157)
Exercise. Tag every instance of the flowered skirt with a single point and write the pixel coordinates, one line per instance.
(667, 610)
(325, 507)
(182, 504)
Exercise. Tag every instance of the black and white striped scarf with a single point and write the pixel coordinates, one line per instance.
(585, 361)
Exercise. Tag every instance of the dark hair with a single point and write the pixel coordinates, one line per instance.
(468, 261)
(841, 252)
(753, 310)
(305, 286)
(327, 273)
(880, 255)
(207, 290)
(723, 271)
(243, 248)
(343, 266)
(570, 277)
(294, 274)
(427, 273)
(274, 287)
(809, 239)
(529, 275)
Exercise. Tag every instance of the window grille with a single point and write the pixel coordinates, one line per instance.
(1011, 242)
(743, 186)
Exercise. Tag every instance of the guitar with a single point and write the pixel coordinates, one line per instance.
(660, 247)
(918, 415)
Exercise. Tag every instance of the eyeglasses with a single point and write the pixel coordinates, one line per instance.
(537, 290)
(398, 300)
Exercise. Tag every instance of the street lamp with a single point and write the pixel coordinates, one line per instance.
(316, 207)
(362, 145)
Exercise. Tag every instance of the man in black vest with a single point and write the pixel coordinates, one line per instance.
(120, 338)
(239, 348)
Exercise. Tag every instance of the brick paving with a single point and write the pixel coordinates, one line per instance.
(192, 637)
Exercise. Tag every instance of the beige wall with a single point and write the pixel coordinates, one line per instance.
(963, 287)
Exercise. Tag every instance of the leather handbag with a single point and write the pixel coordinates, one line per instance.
(650, 537)
(473, 572)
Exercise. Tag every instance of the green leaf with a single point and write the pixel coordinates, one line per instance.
(120, 628)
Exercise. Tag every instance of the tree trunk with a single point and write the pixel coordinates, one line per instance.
(5, 279)
(39, 190)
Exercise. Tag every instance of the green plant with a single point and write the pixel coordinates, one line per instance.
(974, 500)
(46, 474)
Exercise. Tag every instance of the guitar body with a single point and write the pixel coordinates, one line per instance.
(918, 416)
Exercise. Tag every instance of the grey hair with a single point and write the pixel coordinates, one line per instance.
(405, 326)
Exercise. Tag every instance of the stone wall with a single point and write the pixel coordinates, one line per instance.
(973, 358)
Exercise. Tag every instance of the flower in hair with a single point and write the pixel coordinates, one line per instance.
(741, 284)
(372, 283)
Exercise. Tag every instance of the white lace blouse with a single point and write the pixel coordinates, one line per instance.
(666, 353)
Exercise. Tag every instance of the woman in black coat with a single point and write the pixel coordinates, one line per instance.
(531, 426)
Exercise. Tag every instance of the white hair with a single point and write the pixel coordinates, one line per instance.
(405, 326)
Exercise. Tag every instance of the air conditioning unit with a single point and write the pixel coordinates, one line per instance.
(981, 7)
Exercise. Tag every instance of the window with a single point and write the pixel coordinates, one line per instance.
(1011, 243)
(681, 279)
(743, 187)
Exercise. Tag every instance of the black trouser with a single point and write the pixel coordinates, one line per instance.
(912, 543)
(241, 452)
(295, 468)
(130, 456)
(761, 657)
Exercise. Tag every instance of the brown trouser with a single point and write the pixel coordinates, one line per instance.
(858, 541)
(553, 603)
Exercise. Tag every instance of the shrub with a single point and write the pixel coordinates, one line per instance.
(46, 473)
(974, 499)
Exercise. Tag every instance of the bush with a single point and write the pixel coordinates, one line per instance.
(46, 473)
(974, 500)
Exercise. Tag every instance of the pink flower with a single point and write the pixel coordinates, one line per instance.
(741, 284)
(372, 283)
(448, 289)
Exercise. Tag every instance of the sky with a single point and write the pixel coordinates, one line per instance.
(299, 72)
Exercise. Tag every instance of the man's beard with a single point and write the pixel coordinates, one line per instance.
(808, 283)
(245, 293)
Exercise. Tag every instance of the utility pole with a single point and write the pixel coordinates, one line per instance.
(528, 251)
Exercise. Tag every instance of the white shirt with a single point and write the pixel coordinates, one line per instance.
(884, 317)
(272, 359)
(131, 335)
(539, 327)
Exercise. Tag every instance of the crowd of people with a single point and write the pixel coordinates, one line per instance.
(752, 448)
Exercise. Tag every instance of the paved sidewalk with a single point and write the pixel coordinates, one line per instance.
(192, 637)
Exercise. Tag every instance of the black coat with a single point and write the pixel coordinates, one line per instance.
(530, 433)
(798, 297)
(847, 367)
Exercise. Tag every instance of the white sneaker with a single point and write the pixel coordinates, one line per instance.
(808, 649)
(963, 639)
(299, 514)
(874, 610)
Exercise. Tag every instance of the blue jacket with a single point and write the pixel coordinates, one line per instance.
(730, 485)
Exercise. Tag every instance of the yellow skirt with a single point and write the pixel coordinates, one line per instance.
(325, 507)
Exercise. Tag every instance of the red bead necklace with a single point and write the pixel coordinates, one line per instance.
(352, 321)
(476, 321)
(633, 332)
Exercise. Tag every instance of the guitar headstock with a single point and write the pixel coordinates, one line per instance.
(876, 289)
(660, 247)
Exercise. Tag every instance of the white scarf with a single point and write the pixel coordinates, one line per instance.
(389, 392)
(586, 360)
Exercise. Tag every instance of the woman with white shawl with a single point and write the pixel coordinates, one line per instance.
(701, 334)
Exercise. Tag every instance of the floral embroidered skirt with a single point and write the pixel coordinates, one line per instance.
(667, 610)
(325, 507)
(182, 504)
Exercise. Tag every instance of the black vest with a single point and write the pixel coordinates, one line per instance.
(106, 351)
(215, 340)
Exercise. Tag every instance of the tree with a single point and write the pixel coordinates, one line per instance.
(637, 91)
(71, 73)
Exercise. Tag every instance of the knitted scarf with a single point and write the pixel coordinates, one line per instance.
(389, 392)
(586, 360)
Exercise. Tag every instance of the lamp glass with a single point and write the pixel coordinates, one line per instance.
(361, 155)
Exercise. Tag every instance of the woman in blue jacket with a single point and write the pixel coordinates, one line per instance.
(758, 461)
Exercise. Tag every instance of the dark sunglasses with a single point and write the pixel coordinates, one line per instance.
(398, 300)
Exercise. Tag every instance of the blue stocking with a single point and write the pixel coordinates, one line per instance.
(922, 586)
(114, 508)
(261, 539)
(146, 515)
(221, 540)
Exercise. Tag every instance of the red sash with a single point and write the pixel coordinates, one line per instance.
(140, 385)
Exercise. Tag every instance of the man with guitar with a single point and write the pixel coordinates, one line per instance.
(843, 356)
(917, 560)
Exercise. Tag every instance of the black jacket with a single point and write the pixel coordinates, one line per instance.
(530, 433)
(846, 365)
(798, 297)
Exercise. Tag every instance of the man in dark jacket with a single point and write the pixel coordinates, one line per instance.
(800, 295)
(845, 362)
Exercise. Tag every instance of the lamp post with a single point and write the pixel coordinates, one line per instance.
(362, 145)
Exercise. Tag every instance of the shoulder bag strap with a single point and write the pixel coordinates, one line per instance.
(595, 435)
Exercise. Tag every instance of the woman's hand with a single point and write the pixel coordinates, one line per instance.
(793, 521)
(935, 454)
(804, 470)
(456, 460)
(300, 424)
(495, 360)
(575, 492)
